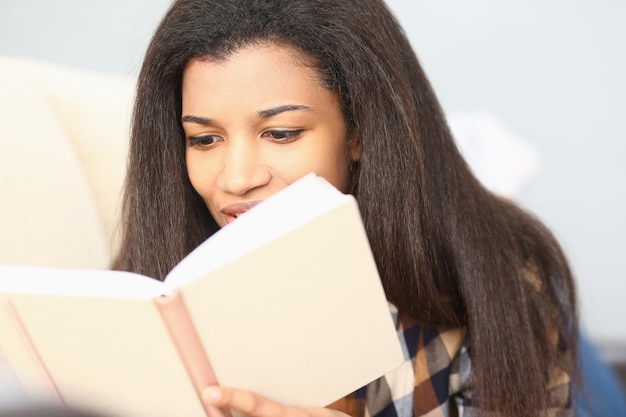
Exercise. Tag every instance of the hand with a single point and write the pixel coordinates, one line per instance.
(255, 405)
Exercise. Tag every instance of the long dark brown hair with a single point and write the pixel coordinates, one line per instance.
(449, 252)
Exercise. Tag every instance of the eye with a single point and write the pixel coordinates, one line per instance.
(283, 136)
(204, 141)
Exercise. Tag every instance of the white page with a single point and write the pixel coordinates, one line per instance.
(76, 282)
(284, 211)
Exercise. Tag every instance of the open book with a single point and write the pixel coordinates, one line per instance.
(286, 301)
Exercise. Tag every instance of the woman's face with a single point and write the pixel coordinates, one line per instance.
(256, 122)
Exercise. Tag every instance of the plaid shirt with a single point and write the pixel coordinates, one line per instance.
(434, 380)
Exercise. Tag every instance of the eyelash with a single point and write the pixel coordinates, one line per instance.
(283, 136)
(278, 136)
(202, 141)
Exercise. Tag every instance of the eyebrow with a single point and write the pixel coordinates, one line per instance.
(205, 121)
(261, 114)
(264, 114)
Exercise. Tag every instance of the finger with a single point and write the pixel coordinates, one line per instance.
(251, 404)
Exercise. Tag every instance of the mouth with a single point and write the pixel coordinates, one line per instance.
(233, 211)
(232, 218)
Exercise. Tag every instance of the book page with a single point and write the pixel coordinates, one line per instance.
(284, 211)
(303, 319)
(20, 364)
(76, 282)
(111, 355)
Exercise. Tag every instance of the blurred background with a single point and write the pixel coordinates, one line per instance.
(551, 74)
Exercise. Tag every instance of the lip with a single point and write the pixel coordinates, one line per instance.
(234, 210)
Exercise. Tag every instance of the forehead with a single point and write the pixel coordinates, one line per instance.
(258, 72)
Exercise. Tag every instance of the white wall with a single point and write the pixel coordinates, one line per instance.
(552, 72)
(555, 73)
(109, 35)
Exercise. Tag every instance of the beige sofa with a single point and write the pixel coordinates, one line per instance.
(63, 141)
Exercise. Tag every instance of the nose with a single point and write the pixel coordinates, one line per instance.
(243, 170)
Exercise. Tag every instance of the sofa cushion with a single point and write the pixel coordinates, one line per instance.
(63, 136)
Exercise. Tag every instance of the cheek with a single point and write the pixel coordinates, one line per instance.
(192, 173)
(330, 161)
(200, 175)
(203, 179)
(337, 171)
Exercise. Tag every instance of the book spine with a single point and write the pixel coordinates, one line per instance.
(189, 347)
(33, 367)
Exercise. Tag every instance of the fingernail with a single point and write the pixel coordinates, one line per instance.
(211, 395)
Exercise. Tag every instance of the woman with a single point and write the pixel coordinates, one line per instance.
(238, 98)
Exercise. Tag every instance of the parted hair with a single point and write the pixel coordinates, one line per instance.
(449, 252)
